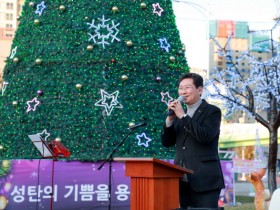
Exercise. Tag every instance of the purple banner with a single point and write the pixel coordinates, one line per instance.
(27, 184)
(77, 185)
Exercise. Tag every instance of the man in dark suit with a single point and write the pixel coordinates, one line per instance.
(195, 134)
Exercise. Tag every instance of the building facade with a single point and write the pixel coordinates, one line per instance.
(10, 10)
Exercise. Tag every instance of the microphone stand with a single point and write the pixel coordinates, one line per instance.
(110, 159)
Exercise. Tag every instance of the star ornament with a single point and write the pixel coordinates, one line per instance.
(44, 134)
(32, 105)
(40, 8)
(164, 44)
(109, 101)
(144, 142)
(157, 9)
(166, 98)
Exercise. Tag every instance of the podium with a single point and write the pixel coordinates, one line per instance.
(154, 183)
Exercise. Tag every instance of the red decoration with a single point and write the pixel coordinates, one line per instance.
(58, 149)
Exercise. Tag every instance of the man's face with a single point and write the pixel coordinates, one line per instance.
(188, 89)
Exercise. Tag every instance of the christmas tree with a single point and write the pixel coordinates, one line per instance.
(82, 72)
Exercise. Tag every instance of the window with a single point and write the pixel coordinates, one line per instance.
(10, 6)
(9, 16)
(9, 25)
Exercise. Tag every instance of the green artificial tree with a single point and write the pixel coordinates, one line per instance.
(82, 72)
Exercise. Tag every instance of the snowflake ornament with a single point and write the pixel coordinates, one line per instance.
(109, 101)
(164, 44)
(163, 98)
(4, 87)
(146, 141)
(99, 36)
(40, 8)
(13, 53)
(32, 105)
(157, 9)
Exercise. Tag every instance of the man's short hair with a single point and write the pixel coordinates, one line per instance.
(197, 79)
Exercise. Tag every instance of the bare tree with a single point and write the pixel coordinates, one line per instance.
(256, 93)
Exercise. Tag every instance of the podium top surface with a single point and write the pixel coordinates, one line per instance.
(155, 161)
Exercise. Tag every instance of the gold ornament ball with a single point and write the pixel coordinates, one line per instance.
(131, 124)
(15, 103)
(143, 5)
(57, 139)
(124, 77)
(38, 61)
(31, 4)
(36, 22)
(115, 9)
(89, 47)
(1, 147)
(16, 60)
(3, 202)
(172, 58)
(61, 7)
(129, 43)
(5, 163)
(79, 86)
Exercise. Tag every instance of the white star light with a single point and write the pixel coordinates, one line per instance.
(40, 8)
(157, 9)
(164, 44)
(32, 105)
(163, 98)
(109, 101)
(13, 53)
(4, 87)
(146, 143)
(44, 134)
(34, 174)
(98, 36)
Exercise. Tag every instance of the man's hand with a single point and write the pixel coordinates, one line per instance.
(176, 106)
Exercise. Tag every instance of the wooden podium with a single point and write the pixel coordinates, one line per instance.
(154, 183)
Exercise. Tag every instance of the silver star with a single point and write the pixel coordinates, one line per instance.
(32, 105)
(109, 101)
(146, 144)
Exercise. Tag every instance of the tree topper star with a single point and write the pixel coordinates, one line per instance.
(109, 101)
(146, 143)
(32, 105)
(163, 98)
(157, 9)
(164, 44)
(40, 8)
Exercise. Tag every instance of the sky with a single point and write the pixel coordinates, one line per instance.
(192, 17)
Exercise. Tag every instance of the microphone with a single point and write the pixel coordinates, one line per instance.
(181, 99)
(138, 125)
